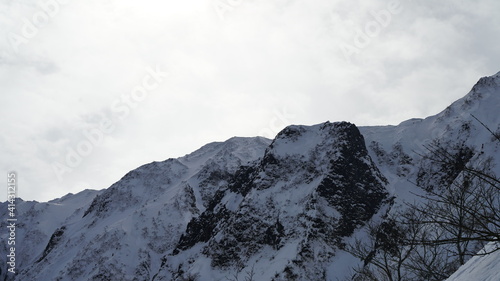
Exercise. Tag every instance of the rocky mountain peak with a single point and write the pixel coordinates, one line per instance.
(281, 209)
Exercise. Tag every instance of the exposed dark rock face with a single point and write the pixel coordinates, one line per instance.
(201, 229)
(54, 240)
(443, 164)
(354, 186)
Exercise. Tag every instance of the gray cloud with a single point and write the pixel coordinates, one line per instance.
(237, 76)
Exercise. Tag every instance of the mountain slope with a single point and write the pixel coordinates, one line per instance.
(399, 150)
(122, 232)
(484, 268)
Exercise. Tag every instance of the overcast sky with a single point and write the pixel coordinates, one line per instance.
(92, 89)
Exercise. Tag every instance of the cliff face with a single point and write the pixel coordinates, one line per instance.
(313, 187)
(277, 210)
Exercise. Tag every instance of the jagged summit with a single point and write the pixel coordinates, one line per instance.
(290, 197)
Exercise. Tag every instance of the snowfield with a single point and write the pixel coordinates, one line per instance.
(480, 267)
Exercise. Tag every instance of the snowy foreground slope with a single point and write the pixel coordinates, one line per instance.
(484, 268)
(281, 209)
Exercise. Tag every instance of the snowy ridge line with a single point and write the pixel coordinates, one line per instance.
(281, 209)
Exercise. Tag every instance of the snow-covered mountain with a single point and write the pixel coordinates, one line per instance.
(280, 209)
